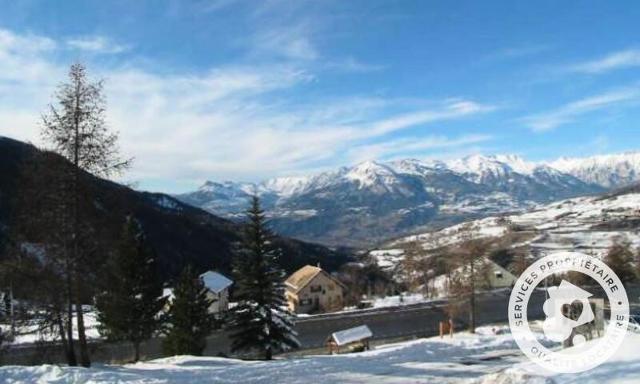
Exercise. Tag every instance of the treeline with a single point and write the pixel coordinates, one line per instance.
(60, 260)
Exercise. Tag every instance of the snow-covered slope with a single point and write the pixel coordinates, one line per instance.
(489, 356)
(374, 201)
(585, 224)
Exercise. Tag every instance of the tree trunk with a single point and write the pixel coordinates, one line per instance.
(85, 360)
(472, 302)
(136, 349)
(71, 356)
(63, 336)
(82, 338)
(268, 354)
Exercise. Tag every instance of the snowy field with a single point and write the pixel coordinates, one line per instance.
(28, 334)
(490, 356)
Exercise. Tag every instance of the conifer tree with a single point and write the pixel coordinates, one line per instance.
(129, 307)
(75, 128)
(620, 259)
(261, 322)
(188, 322)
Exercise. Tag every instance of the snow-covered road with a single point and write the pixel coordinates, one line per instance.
(481, 358)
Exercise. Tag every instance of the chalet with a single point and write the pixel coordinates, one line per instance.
(310, 290)
(217, 286)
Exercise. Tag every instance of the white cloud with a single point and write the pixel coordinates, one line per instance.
(291, 42)
(231, 122)
(96, 44)
(410, 146)
(616, 60)
(567, 113)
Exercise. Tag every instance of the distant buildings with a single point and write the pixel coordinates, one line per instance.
(217, 286)
(311, 290)
(488, 273)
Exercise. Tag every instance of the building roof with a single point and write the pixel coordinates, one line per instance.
(351, 335)
(300, 278)
(167, 293)
(215, 282)
(303, 276)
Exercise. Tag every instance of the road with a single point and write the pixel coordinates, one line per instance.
(415, 320)
(411, 320)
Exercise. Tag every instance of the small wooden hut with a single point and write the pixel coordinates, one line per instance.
(349, 340)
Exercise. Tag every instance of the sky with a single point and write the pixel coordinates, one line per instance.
(248, 90)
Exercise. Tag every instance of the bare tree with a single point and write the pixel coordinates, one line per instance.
(471, 254)
(620, 259)
(418, 266)
(76, 129)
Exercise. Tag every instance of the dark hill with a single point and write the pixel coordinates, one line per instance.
(179, 233)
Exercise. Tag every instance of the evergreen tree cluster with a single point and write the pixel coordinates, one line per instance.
(129, 307)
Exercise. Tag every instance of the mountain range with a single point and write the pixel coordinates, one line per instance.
(376, 201)
(180, 234)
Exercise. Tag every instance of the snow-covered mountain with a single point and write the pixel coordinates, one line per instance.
(609, 171)
(374, 201)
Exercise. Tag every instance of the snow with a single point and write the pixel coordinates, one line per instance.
(30, 333)
(286, 186)
(606, 170)
(215, 282)
(478, 167)
(370, 174)
(489, 356)
(622, 368)
(586, 224)
(399, 300)
(167, 202)
(351, 335)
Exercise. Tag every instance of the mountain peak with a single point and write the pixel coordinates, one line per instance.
(369, 173)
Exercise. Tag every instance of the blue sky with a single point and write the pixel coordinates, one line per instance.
(245, 90)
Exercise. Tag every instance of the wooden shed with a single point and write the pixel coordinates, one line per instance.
(350, 340)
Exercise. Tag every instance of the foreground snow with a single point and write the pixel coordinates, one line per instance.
(487, 357)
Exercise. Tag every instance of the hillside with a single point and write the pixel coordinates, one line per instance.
(179, 233)
(585, 224)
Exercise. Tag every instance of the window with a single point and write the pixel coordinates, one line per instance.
(315, 288)
(305, 302)
(498, 274)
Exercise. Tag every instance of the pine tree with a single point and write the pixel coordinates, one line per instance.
(188, 322)
(261, 321)
(620, 259)
(76, 129)
(129, 307)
